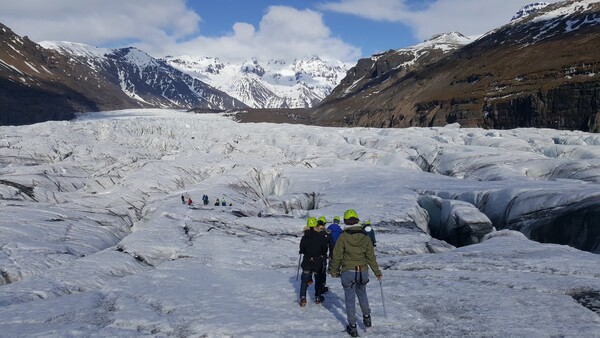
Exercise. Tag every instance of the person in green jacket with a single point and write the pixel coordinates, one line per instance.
(352, 256)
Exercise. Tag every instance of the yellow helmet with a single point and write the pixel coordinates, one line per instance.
(336, 218)
(368, 223)
(350, 213)
(322, 220)
(311, 222)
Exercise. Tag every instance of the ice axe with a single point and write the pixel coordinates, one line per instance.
(298, 268)
(382, 299)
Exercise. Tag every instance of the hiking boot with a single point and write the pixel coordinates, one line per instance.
(352, 331)
(319, 299)
(325, 289)
(302, 302)
(309, 283)
(367, 320)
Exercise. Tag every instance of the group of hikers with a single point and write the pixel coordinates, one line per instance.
(188, 199)
(349, 252)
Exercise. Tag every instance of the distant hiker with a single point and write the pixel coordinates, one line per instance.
(327, 238)
(368, 229)
(352, 256)
(182, 199)
(217, 203)
(334, 229)
(189, 201)
(314, 248)
(205, 199)
(223, 203)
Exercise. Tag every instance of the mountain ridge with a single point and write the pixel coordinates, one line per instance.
(541, 70)
(39, 84)
(139, 74)
(538, 70)
(266, 84)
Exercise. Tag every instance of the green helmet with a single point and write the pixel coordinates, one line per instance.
(368, 223)
(336, 218)
(311, 222)
(350, 213)
(322, 220)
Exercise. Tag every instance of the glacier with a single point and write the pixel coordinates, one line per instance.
(95, 241)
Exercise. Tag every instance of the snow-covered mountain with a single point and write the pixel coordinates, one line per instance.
(544, 21)
(267, 84)
(95, 242)
(143, 78)
(528, 9)
(40, 84)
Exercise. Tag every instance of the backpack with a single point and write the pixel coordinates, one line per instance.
(368, 230)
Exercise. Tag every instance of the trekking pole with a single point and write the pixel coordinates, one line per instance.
(382, 299)
(298, 268)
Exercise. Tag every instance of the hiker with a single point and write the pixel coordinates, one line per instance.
(314, 248)
(182, 199)
(327, 237)
(217, 203)
(334, 229)
(223, 203)
(352, 256)
(205, 199)
(368, 229)
(189, 201)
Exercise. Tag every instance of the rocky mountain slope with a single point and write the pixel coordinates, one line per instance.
(529, 9)
(53, 80)
(539, 70)
(267, 84)
(377, 69)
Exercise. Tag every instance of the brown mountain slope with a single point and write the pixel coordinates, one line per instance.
(37, 84)
(533, 73)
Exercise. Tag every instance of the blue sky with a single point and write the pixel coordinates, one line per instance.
(344, 30)
(370, 35)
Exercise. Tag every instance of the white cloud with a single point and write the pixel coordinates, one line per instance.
(470, 17)
(378, 10)
(168, 27)
(162, 27)
(283, 33)
(98, 22)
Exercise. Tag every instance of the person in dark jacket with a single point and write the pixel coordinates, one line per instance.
(327, 238)
(368, 228)
(352, 256)
(314, 248)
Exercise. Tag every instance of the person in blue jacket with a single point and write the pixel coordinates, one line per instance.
(334, 229)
